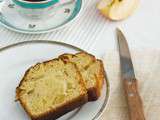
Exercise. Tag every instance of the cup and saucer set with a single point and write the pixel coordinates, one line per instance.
(38, 16)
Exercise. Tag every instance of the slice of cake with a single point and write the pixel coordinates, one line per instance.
(51, 89)
(91, 70)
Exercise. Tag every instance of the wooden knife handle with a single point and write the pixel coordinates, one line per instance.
(134, 101)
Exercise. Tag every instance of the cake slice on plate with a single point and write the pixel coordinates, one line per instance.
(50, 89)
(92, 72)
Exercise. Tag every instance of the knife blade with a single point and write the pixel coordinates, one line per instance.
(129, 80)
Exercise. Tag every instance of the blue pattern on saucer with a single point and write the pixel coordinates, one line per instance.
(6, 23)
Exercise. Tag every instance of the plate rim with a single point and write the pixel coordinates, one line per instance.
(107, 97)
(45, 31)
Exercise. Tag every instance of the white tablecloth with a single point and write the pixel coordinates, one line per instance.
(96, 34)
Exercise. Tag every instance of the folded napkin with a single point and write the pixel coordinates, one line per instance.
(147, 69)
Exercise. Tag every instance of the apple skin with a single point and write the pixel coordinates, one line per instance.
(117, 9)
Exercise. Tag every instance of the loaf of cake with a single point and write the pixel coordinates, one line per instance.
(92, 72)
(50, 89)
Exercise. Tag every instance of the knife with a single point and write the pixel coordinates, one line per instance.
(130, 84)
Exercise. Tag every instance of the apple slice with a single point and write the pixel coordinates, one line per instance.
(117, 9)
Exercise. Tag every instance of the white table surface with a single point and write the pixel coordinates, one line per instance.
(96, 34)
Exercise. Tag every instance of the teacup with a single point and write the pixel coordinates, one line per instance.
(36, 9)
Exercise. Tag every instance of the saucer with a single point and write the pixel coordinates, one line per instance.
(62, 16)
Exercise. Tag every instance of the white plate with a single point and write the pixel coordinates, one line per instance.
(16, 59)
(63, 15)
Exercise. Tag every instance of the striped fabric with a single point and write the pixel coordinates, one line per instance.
(96, 34)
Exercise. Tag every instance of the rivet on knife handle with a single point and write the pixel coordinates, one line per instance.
(134, 100)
